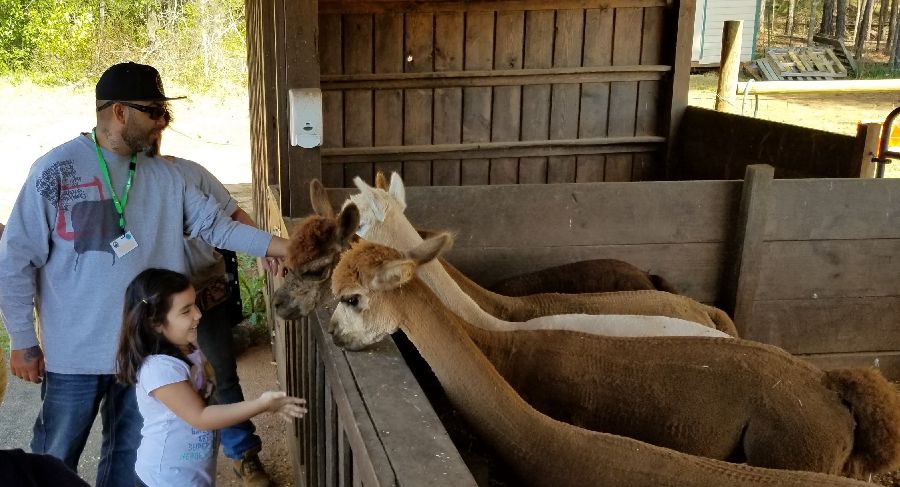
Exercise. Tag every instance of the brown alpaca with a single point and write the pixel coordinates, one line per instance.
(314, 246)
(382, 221)
(379, 292)
(587, 276)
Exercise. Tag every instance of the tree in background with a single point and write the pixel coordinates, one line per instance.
(201, 43)
(863, 28)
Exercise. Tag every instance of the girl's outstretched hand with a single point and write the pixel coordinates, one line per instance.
(286, 406)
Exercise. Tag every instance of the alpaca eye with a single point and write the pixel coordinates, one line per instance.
(351, 300)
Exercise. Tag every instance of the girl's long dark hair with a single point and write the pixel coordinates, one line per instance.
(148, 300)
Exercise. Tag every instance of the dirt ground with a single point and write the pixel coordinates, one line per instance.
(257, 372)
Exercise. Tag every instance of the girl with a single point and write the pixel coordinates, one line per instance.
(158, 354)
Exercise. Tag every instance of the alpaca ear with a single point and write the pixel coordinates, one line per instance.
(319, 198)
(381, 181)
(348, 223)
(368, 199)
(393, 274)
(430, 248)
(397, 190)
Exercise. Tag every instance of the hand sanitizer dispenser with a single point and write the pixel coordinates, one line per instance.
(306, 117)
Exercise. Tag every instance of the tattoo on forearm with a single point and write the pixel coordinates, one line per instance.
(33, 353)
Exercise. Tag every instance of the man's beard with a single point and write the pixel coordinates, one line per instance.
(141, 142)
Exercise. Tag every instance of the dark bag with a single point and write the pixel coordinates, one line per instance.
(224, 292)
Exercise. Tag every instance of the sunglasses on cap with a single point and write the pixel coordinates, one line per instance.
(152, 111)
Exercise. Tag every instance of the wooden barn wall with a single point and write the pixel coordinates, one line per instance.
(717, 145)
(830, 276)
(492, 92)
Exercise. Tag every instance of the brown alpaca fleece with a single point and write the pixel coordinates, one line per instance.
(588, 276)
(308, 238)
(647, 303)
(878, 419)
(542, 451)
(771, 409)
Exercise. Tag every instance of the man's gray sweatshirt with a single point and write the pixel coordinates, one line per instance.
(55, 253)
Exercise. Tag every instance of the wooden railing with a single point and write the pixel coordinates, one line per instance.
(369, 422)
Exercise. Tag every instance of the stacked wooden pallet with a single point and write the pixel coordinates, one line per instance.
(802, 63)
(840, 50)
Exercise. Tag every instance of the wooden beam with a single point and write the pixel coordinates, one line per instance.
(388, 6)
(729, 66)
(827, 86)
(681, 28)
(756, 204)
(281, 110)
(868, 136)
(489, 150)
(301, 66)
(517, 77)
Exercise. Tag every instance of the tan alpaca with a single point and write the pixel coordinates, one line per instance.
(379, 293)
(382, 221)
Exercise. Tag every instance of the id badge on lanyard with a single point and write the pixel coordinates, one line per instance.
(126, 242)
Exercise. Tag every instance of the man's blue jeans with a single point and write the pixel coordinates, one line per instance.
(70, 404)
(214, 335)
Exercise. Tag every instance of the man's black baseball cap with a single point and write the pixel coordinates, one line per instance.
(131, 82)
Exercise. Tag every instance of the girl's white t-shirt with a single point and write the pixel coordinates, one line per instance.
(172, 452)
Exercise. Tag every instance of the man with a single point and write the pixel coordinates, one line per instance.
(93, 213)
(216, 300)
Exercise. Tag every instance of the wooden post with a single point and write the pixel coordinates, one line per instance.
(868, 135)
(680, 55)
(756, 204)
(301, 66)
(729, 66)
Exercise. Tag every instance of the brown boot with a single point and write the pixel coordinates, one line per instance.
(250, 470)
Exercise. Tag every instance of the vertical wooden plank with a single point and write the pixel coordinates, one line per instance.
(479, 55)
(332, 60)
(867, 138)
(322, 420)
(566, 98)
(311, 391)
(418, 103)
(598, 40)
(742, 281)
(389, 103)
(281, 109)
(269, 90)
(623, 94)
(539, 28)
(331, 435)
(345, 457)
(681, 28)
(301, 64)
(449, 38)
(648, 91)
(358, 116)
(507, 100)
(648, 166)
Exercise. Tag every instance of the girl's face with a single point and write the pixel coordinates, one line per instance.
(180, 328)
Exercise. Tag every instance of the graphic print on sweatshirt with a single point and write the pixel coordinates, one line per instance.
(83, 215)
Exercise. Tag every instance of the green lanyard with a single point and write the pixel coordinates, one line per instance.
(120, 205)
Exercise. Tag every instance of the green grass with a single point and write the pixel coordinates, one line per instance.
(873, 70)
(4, 340)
